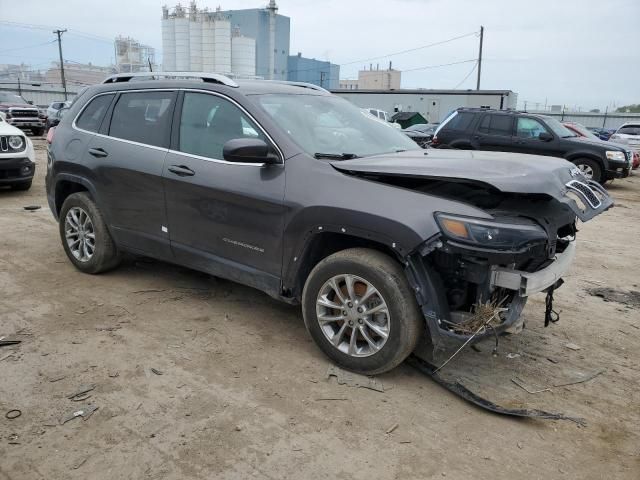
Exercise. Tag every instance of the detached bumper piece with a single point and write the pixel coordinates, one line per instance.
(466, 394)
(526, 283)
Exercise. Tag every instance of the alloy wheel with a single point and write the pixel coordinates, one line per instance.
(353, 315)
(80, 234)
(586, 170)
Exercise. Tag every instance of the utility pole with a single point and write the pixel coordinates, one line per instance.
(64, 82)
(19, 85)
(480, 57)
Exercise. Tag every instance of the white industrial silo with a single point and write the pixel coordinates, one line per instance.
(207, 44)
(181, 29)
(243, 55)
(168, 45)
(222, 44)
(195, 44)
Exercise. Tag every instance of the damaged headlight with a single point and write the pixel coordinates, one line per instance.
(490, 234)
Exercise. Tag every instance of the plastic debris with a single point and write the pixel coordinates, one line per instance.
(351, 379)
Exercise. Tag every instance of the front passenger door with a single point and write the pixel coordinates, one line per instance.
(527, 139)
(224, 218)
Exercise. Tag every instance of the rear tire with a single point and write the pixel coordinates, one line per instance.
(590, 169)
(384, 337)
(20, 187)
(85, 237)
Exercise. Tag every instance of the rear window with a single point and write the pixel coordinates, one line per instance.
(630, 130)
(92, 115)
(495, 124)
(143, 117)
(459, 121)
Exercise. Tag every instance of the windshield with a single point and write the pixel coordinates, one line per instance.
(322, 124)
(559, 129)
(10, 98)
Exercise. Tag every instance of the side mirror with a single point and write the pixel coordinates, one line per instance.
(545, 136)
(248, 150)
(61, 112)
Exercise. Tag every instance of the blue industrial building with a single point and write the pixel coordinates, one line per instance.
(268, 28)
(318, 72)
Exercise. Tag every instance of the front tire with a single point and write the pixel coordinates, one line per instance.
(360, 311)
(590, 169)
(85, 237)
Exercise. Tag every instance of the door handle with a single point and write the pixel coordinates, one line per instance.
(98, 152)
(181, 171)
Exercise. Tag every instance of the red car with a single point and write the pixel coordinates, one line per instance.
(582, 131)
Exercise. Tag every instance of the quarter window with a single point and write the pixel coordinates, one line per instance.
(143, 117)
(494, 124)
(208, 122)
(529, 128)
(91, 117)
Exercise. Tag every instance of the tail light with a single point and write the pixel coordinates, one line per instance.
(434, 140)
(50, 134)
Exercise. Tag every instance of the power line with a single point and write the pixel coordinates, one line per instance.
(401, 52)
(466, 76)
(29, 46)
(410, 49)
(426, 67)
(47, 27)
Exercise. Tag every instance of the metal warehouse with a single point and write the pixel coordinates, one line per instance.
(434, 105)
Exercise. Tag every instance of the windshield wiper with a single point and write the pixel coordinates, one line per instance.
(336, 156)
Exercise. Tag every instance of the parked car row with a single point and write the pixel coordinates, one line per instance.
(522, 132)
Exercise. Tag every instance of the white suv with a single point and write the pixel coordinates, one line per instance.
(17, 157)
(628, 134)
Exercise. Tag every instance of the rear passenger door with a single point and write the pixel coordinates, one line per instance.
(494, 132)
(225, 218)
(127, 157)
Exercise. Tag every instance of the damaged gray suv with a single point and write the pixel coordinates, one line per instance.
(296, 192)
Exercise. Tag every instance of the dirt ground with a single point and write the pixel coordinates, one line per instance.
(242, 391)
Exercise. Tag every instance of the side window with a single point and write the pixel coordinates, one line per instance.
(494, 124)
(460, 121)
(91, 117)
(143, 117)
(529, 128)
(208, 122)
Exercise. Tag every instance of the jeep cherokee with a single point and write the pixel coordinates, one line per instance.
(522, 132)
(289, 189)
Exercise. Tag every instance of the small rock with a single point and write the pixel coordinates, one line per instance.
(238, 428)
(572, 346)
(519, 445)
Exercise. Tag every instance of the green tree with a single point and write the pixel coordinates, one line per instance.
(633, 108)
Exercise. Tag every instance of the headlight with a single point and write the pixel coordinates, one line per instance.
(612, 155)
(16, 142)
(490, 234)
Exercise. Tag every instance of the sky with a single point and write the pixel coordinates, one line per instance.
(580, 53)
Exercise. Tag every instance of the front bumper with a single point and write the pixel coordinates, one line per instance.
(27, 122)
(526, 283)
(16, 170)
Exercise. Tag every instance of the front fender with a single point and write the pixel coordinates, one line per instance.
(320, 198)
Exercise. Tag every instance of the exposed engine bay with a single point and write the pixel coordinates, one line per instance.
(473, 280)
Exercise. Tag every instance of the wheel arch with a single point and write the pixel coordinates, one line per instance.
(322, 244)
(573, 156)
(67, 185)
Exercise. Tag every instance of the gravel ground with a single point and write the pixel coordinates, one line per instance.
(242, 391)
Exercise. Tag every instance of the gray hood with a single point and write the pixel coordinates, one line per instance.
(504, 171)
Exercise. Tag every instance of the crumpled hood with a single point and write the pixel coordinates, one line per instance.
(504, 171)
(507, 172)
